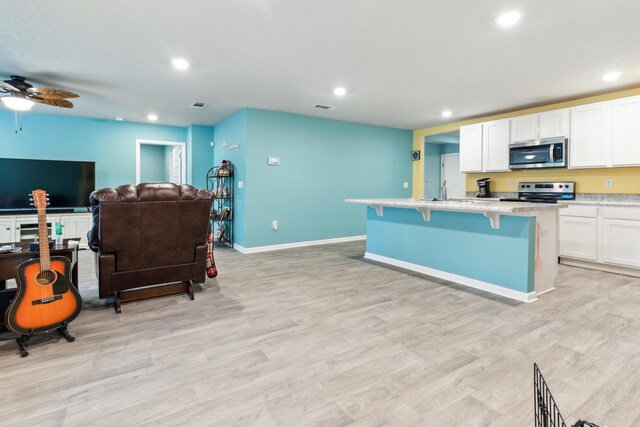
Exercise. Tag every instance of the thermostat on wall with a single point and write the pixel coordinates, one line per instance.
(273, 161)
(415, 155)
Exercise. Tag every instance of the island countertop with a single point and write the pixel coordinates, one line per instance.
(480, 206)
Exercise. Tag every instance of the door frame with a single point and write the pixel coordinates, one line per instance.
(183, 147)
(442, 156)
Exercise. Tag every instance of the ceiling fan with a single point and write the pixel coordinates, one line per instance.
(22, 95)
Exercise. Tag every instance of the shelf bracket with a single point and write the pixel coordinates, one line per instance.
(494, 218)
(426, 213)
(378, 209)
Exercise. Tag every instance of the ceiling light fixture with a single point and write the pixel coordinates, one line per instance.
(340, 91)
(180, 64)
(17, 103)
(446, 113)
(611, 76)
(119, 119)
(509, 19)
(152, 117)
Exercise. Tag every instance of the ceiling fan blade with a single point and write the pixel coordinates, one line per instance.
(8, 87)
(51, 91)
(56, 102)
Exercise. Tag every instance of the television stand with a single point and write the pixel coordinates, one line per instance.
(24, 226)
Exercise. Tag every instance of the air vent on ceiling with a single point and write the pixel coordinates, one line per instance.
(198, 104)
(325, 107)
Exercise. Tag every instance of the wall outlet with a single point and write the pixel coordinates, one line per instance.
(240, 184)
(608, 182)
(274, 225)
(512, 183)
(405, 184)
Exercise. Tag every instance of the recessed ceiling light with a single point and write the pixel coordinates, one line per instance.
(611, 76)
(152, 117)
(180, 64)
(119, 119)
(509, 19)
(446, 113)
(340, 91)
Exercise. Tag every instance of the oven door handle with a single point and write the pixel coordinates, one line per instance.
(553, 160)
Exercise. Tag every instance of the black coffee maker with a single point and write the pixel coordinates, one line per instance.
(484, 188)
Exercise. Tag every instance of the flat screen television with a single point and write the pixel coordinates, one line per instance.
(68, 183)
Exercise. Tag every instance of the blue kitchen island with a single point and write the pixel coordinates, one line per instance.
(505, 248)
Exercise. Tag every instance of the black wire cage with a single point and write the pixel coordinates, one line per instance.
(545, 409)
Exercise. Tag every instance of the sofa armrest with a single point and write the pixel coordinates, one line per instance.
(106, 266)
(201, 261)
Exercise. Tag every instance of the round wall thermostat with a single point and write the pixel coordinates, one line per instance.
(415, 155)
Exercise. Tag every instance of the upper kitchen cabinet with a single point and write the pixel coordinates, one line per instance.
(524, 128)
(495, 141)
(625, 143)
(471, 148)
(552, 124)
(590, 135)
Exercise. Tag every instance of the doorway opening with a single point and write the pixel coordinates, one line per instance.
(442, 163)
(160, 161)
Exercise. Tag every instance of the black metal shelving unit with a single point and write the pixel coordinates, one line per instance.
(221, 181)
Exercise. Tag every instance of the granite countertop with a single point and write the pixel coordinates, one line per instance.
(630, 204)
(465, 205)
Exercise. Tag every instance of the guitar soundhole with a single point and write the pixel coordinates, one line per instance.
(45, 278)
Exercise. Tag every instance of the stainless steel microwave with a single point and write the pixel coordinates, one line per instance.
(544, 153)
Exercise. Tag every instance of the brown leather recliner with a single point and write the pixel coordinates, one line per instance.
(150, 234)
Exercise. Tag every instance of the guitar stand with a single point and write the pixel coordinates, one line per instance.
(22, 339)
(62, 330)
(22, 343)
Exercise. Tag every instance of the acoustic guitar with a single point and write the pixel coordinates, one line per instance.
(45, 298)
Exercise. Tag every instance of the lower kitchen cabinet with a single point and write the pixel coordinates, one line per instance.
(578, 237)
(620, 242)
(601, 237)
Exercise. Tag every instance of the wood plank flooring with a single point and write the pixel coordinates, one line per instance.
(319, 337)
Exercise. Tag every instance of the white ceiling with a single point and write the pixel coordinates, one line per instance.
(403, 61)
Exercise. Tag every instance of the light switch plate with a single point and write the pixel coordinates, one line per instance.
(273, 161)
(405, 184)
(240, 184)
(608, 183)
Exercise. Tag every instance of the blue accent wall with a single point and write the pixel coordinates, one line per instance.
(154, 166)
(233, 130)
(111, 144)
(200, 152)
(322, 162)
(458, 242)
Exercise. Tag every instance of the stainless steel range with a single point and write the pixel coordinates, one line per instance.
(544, 192)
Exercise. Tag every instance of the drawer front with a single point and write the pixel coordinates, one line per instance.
(618, 212)
(579, 210)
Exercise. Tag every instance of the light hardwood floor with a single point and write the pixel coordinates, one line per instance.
(318, 336)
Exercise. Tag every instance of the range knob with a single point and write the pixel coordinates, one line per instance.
(528, 186)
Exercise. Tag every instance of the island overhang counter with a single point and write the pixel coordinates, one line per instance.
(505, 248)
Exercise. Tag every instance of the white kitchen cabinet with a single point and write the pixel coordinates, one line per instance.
(578, 237)
(625, 143)
(6, 231)
(620, 242)
(471, 148)
(590, 135)
(555, 123)
(495, 143)
(524, 128)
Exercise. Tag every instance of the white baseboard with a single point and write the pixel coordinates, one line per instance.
(462, 280)
(257, 249)
(627, 271)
